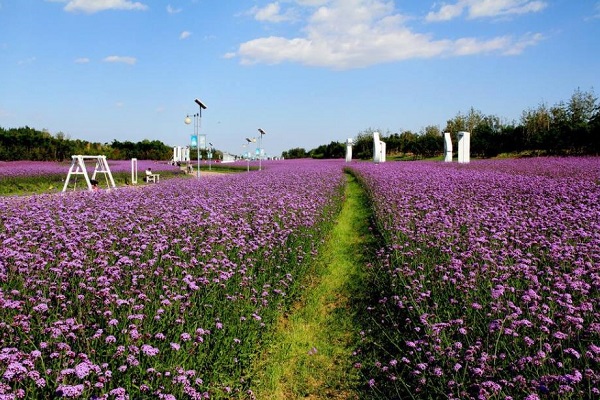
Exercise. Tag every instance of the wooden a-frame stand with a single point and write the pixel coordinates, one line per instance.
(78, 168)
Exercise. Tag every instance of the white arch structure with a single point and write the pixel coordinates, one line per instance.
(78, 168)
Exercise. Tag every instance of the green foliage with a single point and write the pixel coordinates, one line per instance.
(144, 150)
(26, 185)
(30, 144)
(332, 150)
(38, 184)
(565, 128)
(297, 152)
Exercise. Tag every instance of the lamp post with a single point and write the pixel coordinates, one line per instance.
(201, 106)
(246, 155)
(195, 137)
(196, 129)
(210, 154)
(250, 140)
(260, 148)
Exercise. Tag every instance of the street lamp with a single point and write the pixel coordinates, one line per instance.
(197, 117)
(210, 154)
(260, 148)
(195, 137)
(250, 140)
(246, 155)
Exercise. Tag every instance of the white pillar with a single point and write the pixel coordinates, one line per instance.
(376, 147)
(134, 171)
(464, 147)
(447, 147)
(349, 150)
(382, 149)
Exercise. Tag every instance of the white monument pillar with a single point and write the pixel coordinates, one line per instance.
(349, 150)
(379, 149)
(447, 147)
(134, 171)
(464, 147)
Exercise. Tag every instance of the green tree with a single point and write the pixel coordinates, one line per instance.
(581, 109)
(486, 138)
(332, 150)
(297, 152)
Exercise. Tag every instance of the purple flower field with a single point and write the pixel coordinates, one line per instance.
(163, 291)
(489, 285)
(11, 169)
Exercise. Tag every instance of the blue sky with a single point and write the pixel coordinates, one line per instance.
(308, 72)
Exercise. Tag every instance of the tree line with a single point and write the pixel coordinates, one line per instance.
(566, 128)
(30, 144)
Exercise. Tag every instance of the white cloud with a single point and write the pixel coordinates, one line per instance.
(272, 13)
(82, 60)
(526, 41)
(185, 35)
(172, 10)
(345, 34)
(120, 59)
(496, 8)
(93, 6)
(485, 9)
(446, 12)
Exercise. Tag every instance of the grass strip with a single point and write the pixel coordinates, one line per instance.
(310, 355)
(38, 184)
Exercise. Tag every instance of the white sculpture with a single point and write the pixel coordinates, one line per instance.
(379, 148)
(180, 155)
(464, 147)
(349, 150)
(447, 147)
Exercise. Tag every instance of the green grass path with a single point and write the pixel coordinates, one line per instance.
(310, 356)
